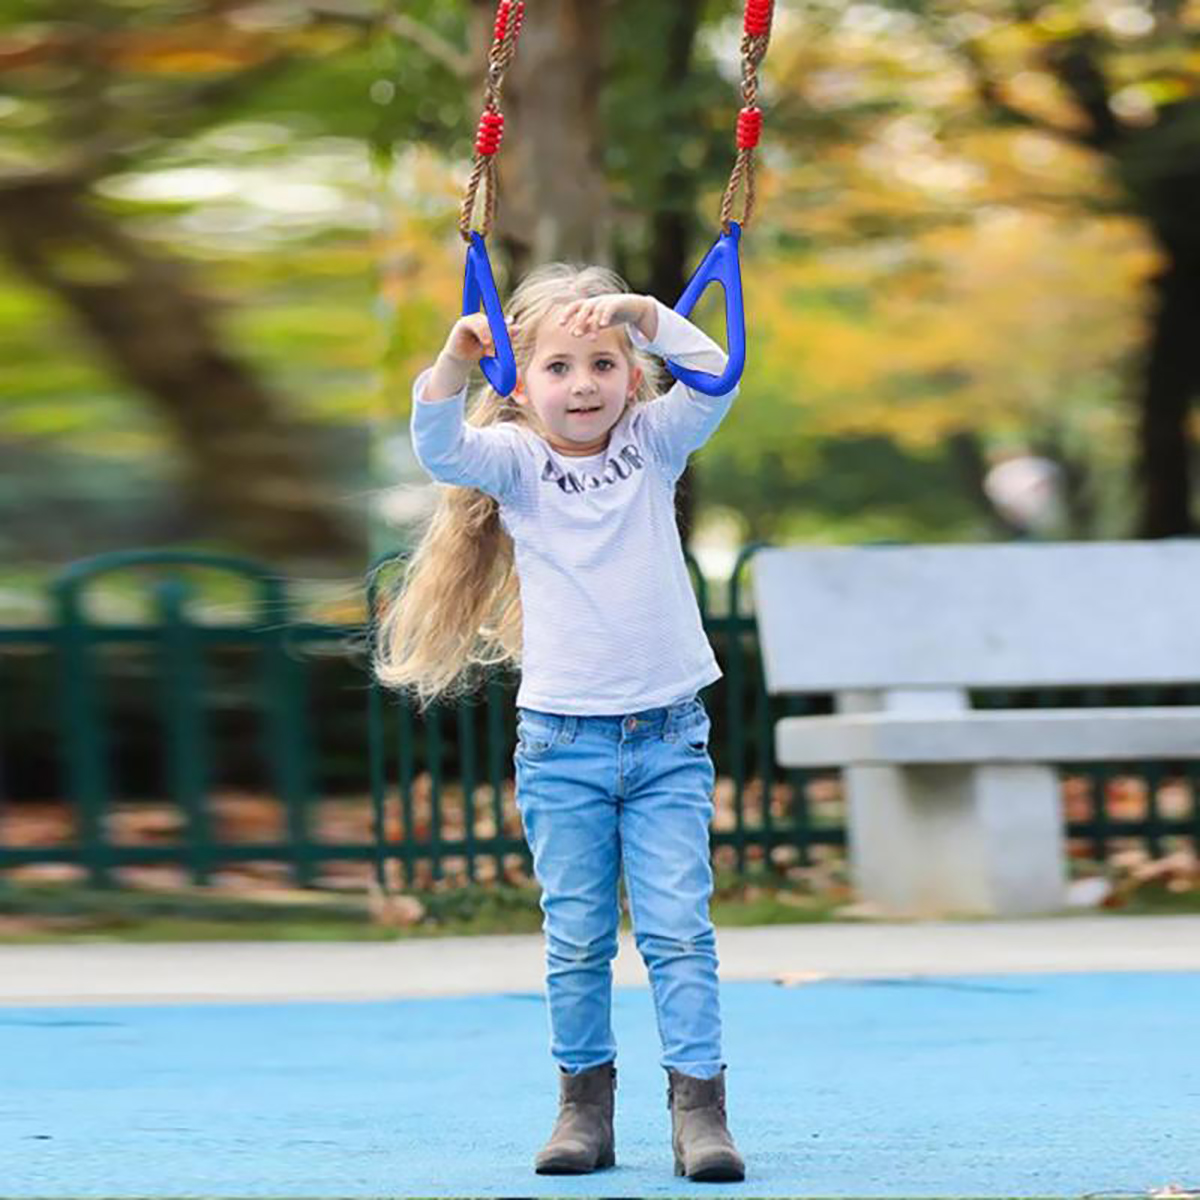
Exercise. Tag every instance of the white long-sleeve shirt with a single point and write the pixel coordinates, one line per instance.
(610, 621)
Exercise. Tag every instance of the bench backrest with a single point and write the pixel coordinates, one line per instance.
(1067, 613)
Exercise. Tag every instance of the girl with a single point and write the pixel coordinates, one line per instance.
(558, 550)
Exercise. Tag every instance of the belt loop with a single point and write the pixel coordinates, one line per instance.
(671, 723)
(570, 727)
(676, 713)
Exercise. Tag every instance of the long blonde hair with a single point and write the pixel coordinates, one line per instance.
(457, 612)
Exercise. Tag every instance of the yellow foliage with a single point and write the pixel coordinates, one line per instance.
(955, 280)
(1004, 323)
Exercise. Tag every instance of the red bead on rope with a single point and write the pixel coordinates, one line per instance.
(491, 130)
(502, 18)
(749, 126)
(758, 16)
(506, 8)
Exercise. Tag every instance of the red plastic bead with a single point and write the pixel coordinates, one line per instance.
(506, 9)
(758, 16)
(490, 133)
(749, 126)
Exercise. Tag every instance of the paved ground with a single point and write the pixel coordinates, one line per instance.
(1013, 1059)
(223, 971)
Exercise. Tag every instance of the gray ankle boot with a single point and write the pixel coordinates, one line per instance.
(704, 1151)
(582, 1140)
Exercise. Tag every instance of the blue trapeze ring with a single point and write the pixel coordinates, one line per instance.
(500, 369)
(720, 265)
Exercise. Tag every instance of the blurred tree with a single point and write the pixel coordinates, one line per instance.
(909, 244)
(1132, 73)
(1012, 328)
(99, 89)
(1116, 81)
(914, 231)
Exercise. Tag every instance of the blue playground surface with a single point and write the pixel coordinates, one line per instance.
(1015, 1086)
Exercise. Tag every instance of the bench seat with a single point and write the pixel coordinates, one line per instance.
(982, 736)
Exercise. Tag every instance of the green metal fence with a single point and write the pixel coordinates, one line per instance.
(84, 727)
(440, 785)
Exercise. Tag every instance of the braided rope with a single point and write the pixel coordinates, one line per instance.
(491, 123)
(754, 50)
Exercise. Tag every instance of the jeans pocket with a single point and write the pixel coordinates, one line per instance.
(695, 737)
(534, 739)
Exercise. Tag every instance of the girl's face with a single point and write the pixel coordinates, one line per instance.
(577, 387)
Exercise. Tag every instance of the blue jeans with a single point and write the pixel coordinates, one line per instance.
(596, 792)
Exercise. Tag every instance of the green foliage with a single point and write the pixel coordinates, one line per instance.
(417, 99)
(884, 302)
(481, 909)
(661, 127)
(851, 488)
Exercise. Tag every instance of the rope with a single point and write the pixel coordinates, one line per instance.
(756, 36)
(491, 122)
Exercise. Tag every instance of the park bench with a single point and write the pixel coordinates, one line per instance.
(950, 809)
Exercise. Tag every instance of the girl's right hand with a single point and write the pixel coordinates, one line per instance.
(470, 339)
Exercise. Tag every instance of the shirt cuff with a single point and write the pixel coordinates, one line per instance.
(422, 382)
(674, 335)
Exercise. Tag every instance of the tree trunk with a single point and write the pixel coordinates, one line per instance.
(552, 196)
(1160, 169)
(1157, 166)
(1171, 384)
(249, 472)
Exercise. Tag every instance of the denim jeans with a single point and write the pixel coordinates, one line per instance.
(596, 793)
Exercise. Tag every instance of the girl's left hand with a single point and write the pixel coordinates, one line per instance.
(589, 316)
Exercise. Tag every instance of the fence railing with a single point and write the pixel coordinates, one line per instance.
(83, 729)
(439, 785)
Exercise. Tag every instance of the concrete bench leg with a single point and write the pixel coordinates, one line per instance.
(943, 840)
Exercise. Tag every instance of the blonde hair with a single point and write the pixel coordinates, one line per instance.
(457, 612)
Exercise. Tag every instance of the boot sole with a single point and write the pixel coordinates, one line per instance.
(566, 1167)
(716, 1173)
